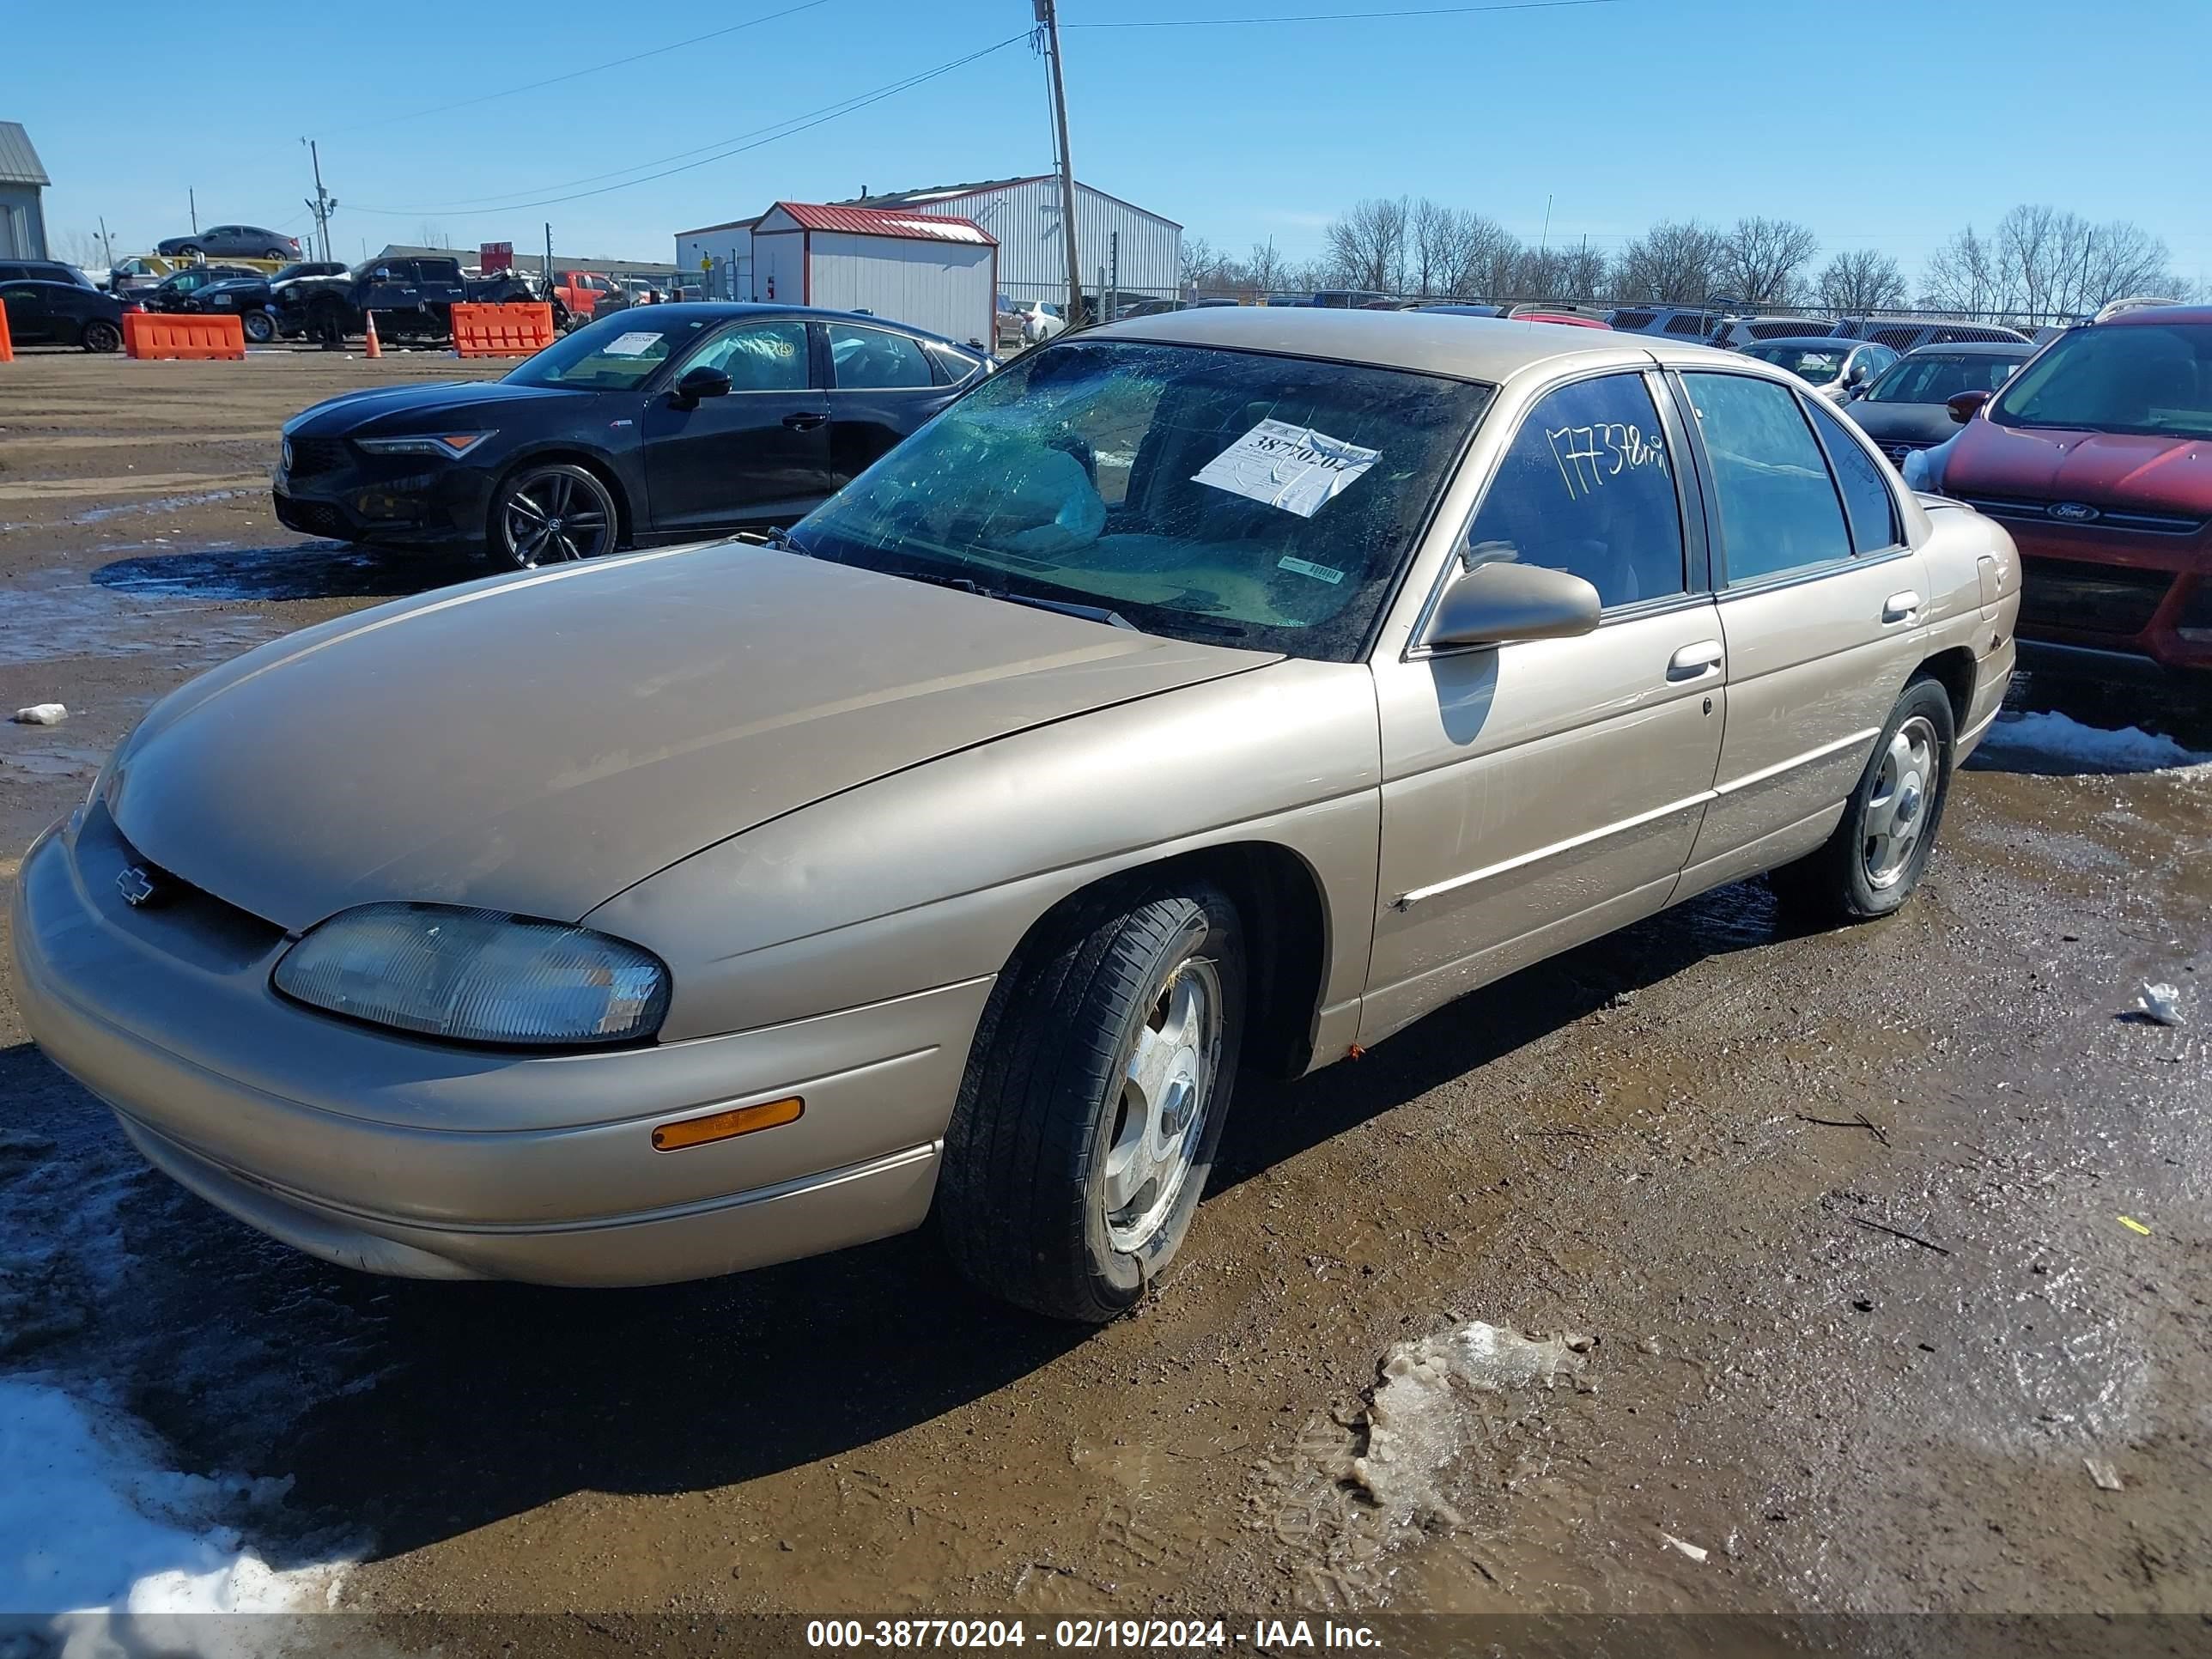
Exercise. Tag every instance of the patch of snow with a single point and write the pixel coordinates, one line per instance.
(2054, 737)
(112, 1549)
(41, 713)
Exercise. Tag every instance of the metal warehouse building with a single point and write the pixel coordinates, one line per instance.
(932, 271)
(22, 219)
(1021, 215)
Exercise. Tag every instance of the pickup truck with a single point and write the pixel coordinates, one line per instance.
(413, 300)
(579, 292)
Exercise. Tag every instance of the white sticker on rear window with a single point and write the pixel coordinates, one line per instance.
(1320, 573)
(1293, 467)
(630, 345)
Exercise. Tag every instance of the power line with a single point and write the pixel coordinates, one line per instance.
(1333, 16)
(796, 124)
(573, 74)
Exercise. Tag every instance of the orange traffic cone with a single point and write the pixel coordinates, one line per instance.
(373, 349)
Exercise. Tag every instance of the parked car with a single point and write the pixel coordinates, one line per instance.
(44, 270)
(130, 275)
(62, 313)
(1743, 330)
(1040, 320)
(1455, 309)
(2097, 456)
(1675, 322)
(580, 292)
(1345, 299)
(1905, 334)
(663, 423)
(1569, 319)
(250, 241)
(256, 300)
(835, 904)
(174, 292)
(413, 300)
(1840, 369)
(1906, 410)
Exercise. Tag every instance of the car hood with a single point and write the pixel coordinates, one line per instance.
(1927, 423)
(538, 744)
(407, 408)
(2111, 469)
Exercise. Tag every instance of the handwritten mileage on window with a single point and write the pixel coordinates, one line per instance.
(1588, 455)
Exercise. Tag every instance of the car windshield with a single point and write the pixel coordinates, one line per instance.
(1918, 380)
(2118, 378)
(1221, 496)
(1818, 365)
(617, 354)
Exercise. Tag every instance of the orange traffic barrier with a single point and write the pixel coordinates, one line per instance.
(163, 334)
(7, 345)
(509, 331)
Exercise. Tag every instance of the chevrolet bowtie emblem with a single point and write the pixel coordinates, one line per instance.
(136, 884)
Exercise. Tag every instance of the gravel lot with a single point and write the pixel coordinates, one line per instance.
(1834, 1219)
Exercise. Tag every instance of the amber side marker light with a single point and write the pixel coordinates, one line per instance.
(723, 1126)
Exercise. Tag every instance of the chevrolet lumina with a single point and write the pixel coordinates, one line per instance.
(1225, 689)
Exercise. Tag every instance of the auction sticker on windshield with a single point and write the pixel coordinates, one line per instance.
(1293, 467)
(631, 345)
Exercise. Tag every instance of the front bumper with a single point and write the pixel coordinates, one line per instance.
(426, 1160)
(445, 506)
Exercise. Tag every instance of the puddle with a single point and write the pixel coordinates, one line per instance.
(159, 504)
(56, 615)
(298, 570)
(56, 763)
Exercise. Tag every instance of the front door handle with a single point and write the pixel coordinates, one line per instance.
(1900, 607)
(1694, 662)
(804, 422)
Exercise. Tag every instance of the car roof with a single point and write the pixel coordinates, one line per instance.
(1489, 348)
(1825, 342)
(723, 309)
(1974, 349)
(2152, 316)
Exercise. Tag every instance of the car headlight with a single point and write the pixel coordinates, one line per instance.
(445, 443)
(473, 975)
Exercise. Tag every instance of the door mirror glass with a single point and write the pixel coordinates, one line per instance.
(704, 382)
(1504, 600)
(1962, 407)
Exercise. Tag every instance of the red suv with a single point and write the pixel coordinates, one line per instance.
(2097, 456)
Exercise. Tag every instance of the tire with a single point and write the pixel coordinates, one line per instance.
(552, 514)
(1869, 867)
(100, 334)
(260, 327)
(1094, 1098)
(189, 251)
(276, 253)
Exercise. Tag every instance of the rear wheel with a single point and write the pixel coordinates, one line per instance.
(1094, 1096)
(551, 515)
(1881, 846)
(276, 254)
(100, 334)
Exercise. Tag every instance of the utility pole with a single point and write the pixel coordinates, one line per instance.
(107, 242)
(193, 198)
(1047, 15)
(324, 204)
(1114, 277)
(548, 261)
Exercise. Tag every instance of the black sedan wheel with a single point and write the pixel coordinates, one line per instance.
(100, 334)
(551, 515)
(260, 327)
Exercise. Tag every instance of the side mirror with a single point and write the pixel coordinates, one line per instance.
(1963, 406)
(701, 382)
(1501, 601)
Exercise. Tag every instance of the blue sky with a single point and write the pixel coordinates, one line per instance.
(1880, 122)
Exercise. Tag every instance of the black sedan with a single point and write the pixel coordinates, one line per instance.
(174, 291)
(62, 313)
(1905, 409)
(664, 423)
(251, 297)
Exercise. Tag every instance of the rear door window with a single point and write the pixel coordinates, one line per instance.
(1779, 512)
(1868, 504)
(875, 359)
(1588, 487)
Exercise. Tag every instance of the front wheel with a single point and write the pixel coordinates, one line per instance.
(1094, 1099)
(100, 334)
(1881, 846)
(551, 515)
(260, 327)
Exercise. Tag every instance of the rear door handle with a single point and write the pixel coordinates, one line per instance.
(803, 421)
(1900, 607)
(1694, 662)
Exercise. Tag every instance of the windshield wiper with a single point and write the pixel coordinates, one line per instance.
(1098, 613)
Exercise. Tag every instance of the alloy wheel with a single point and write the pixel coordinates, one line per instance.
(1167, 1079)
(553, 517)
(1897, 810)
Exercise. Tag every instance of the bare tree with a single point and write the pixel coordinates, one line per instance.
(1860, 280)
(1367, 245)
(1266, 270)
(2041, 263)
(1763, 260)
(79, 247)
(1584, 272)
(1961, 275)
(1676, 262)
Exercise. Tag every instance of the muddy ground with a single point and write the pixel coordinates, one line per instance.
(1835, 1220)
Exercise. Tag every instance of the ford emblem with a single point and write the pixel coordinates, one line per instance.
(136, 883)
(2075, 512)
